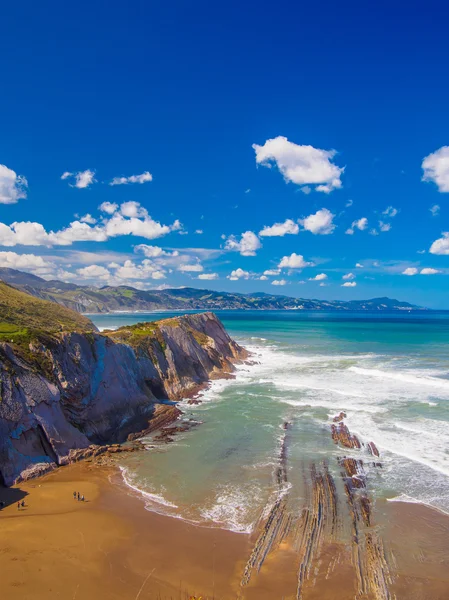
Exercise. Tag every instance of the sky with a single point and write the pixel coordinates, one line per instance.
(297, 148)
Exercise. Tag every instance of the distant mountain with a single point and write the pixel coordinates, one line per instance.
(125, 298)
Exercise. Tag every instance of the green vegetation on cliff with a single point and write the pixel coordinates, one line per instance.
(22, 315)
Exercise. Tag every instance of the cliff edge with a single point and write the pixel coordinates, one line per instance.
(64, 391)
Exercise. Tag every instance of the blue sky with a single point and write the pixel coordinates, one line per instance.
(228, 119)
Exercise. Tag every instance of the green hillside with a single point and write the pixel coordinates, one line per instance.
(21, 315)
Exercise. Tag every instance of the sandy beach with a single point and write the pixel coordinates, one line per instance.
(111, 547)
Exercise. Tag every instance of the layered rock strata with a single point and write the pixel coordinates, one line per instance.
(81, 389)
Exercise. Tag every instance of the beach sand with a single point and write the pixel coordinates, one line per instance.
(111, 547)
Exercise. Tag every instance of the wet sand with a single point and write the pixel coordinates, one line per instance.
(111, 547)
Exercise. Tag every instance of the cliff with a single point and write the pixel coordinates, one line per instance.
(69, 390)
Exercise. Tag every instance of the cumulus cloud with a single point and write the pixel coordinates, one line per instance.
(238, 274)
(263, 278)
(94, 272)
(25, 262)
(436, 168)
(349, 276)
(301, 164)
(319, 223)
(294, 261)
(12, 186)
(142, 178)
(410, 271)
(247, 246)
(108, 207)
(272, 272)
(154, 251)
(349, 203)
(191, 268)
(429, 271)
(34, 234)
(384, 226)
(145, 270)
(360, 224)
(208, 276)
(435, 210)
(280, 229)
(89, 219)
(359, 266)
(440, 246)
(199, 231)
(349, 284)
(279, 282)
(83, 179)
(319, 277)
(390, 211)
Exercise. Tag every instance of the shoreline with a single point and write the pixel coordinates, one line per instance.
(112, 545)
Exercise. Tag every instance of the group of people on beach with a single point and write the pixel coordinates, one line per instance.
(78, 496)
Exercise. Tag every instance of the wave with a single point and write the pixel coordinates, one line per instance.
(435, 382)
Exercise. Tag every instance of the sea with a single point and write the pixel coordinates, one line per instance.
(388, 372)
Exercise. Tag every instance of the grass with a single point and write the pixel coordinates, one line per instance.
(22, 313)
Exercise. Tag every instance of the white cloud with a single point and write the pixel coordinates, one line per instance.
(410, 271)
(349, 276)
(83, 179)
(108, 207)
(199, 231)
(436, 168)
(146, 227)
(133, 209)
(323, 284)
(263, 278)
(191, 268)
(360, 224)
(359, 266)
(142, 178)
(294, 261)
(89, 219)
(147, 269)
(349, 284)
(280, 229)
(247, 246)
(390, 211)
(349, 203)
(25, 262)
(279, 282)
(12, 186)
(429, 271)
(301, 164)
(34, 234)
(153, 251)
(319, 277)
(384, 226)
(306, 189)
(208, 276)
(440, 246)
(272, 272)
(435, 210)
(238, 274)
(319, 223)
(94, 272)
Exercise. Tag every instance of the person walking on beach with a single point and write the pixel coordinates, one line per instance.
(23, 504)
(74, 495)
(18, 505)
(82, 498)
(78, 496)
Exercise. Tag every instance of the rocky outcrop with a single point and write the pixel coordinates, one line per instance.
(97, 389)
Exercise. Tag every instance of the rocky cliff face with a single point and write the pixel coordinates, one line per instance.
(84, 388)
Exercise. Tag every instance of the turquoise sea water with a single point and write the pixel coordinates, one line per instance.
(388, 372)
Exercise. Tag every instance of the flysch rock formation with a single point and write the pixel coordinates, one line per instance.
(99, 388)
